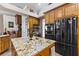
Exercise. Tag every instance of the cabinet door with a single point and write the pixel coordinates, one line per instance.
(59, 13)
(51, 17)
(35, 21)
(4, 43)
(7, 42)
(47, 17)
(0, 45)
(78, 8)
(44, 52)
(70, 9)
(13, 51)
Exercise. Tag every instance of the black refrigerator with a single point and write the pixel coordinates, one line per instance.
(58, 30)
(67, 44)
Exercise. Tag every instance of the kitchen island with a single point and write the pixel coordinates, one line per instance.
(36, 47)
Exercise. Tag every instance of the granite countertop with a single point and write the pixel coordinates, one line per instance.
(4, 35)
(30, 47)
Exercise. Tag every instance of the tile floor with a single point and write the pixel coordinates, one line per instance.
(8, 53)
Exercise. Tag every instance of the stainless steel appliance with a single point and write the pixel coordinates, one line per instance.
(49, 31)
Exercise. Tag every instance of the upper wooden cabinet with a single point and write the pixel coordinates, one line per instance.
(78, 8)
(47, 17)
(70, 9)
(52, 18)
(35, 21)
(59, 13)
(31, 22)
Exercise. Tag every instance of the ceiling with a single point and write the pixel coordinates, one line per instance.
(23, 8)
(36, 7)
(20, 5)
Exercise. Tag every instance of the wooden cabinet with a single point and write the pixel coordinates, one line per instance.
(35, 21)
(78, 8)
(70, 9)
(13, 50)
(4, 43)
(0, 45)
(52, 17)
(44, 52)
(47, 17)
(59, 13)
(31, 22)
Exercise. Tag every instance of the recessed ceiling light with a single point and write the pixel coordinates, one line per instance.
(39, 4)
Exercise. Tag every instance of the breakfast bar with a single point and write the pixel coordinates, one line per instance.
(36, 47)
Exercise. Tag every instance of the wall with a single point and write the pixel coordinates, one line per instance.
(8, 18)
(1, 24)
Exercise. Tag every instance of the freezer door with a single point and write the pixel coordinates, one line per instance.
(58, 31)
(69, 31)
(74, 30)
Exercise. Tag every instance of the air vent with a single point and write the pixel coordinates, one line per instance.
(49, 3)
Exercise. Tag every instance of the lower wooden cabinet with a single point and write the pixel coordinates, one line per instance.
(45, 52)
(0, 45)
(4, 44)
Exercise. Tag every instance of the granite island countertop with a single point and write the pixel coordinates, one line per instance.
(30, 47)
